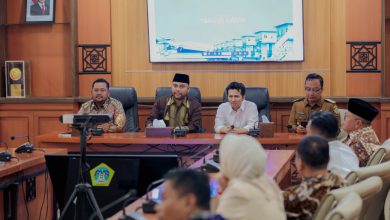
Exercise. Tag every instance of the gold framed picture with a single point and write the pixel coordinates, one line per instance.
(17, 79)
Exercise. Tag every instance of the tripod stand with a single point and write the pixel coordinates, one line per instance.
(83, 188)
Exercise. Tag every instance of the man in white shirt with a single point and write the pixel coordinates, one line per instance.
(342, 158)
(237, 115)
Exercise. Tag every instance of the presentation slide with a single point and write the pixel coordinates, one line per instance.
(225, 30)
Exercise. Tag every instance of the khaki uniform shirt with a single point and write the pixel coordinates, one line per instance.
(110, 106)
(363, 142)
(301, 111)
(301, 201)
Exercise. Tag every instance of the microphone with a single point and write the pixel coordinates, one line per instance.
(254, 132)
(179, 132)
(26, 147)
(127, 197)
(19, 136)
(149, 204)
(5, 155)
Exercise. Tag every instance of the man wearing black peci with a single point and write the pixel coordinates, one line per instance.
(178, 110)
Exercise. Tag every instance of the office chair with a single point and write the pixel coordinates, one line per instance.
(349, 208)
(128, 97)
(366, 189)
(382, 170)
(260, 97)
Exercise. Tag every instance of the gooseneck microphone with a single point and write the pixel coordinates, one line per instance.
(149, 204)
(20, 136)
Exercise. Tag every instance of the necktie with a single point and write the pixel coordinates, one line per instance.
(43, 9)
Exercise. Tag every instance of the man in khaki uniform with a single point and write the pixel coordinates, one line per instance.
(313, 102)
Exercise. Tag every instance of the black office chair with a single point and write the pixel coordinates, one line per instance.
(259, 96)
(194, 93)
(128, 97)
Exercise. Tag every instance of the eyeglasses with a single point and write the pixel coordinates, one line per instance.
(314, 90)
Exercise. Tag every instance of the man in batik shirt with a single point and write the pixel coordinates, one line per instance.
(102, 103)
(301, 201)
(361, 137)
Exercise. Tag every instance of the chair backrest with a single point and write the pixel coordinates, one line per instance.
(259, 96)
(128, 97)
(386, 146)
(193, 93)
(382, 170)
(366, 189)
(348, 208)
(376, 157)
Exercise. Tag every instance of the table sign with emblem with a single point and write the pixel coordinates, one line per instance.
(17, 82)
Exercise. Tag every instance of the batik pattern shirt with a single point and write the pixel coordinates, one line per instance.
(363, 142)
(110, 106)
(301, 201)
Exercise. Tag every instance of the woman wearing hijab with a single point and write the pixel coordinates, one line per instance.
(248, 193)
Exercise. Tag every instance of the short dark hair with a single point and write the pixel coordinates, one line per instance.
(312, 76)
(101, 80)
(314, 151)
(188, 181)
(326, 123)
(236, 85)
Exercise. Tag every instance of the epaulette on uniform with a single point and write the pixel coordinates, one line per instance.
(330, 101)
(299, 99)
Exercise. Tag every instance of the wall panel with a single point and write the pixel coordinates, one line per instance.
(31, 120)
(131, 65)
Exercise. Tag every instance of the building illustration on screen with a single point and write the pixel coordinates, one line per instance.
(222, 30)
(269, 45)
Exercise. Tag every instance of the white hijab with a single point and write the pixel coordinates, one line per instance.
(242, 157)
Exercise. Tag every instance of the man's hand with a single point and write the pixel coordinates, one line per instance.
(301, 130)
(239, 131)
(225, 130)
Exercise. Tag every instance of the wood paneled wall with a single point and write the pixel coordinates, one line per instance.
(31, 120)
(324, 39)
(3, 44)
(94, 27)
(46, 46)
(386, 81)
(364, 23)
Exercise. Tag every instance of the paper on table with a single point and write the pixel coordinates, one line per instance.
(158, 123)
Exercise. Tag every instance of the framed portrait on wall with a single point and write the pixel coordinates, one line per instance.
(40, 11)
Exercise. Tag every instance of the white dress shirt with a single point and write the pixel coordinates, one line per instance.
(342, 158)
(244, 117)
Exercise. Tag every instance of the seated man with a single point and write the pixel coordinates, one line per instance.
(238, 115)
(102, 103)
(186, 195)
(178, 110)
(313, 102)
(342, 159)
(301, 201)
(361, 137)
